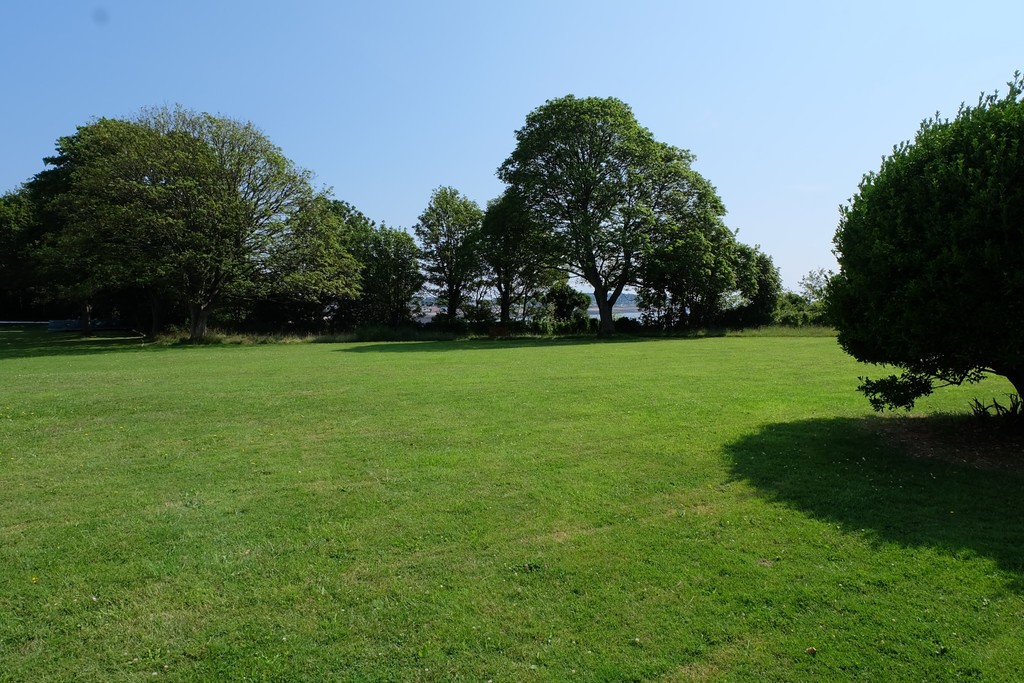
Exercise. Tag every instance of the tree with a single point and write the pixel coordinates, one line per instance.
(599, 182)
(760, 287)
(17, 271)
(232, 209)
(814, 284)
(566, 306)
(449, 233)
(516, 250)
(95, 211)
(172, 201)
(807, 306)
(689, 264)
(310, 268)
(931, 250)
(389, 272)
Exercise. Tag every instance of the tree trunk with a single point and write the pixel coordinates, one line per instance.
(198, 315)
(454, 302)
(604, 308)
(85, 316)
(505, 306)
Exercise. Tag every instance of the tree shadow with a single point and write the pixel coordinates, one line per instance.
(25, 342)
(477, 344)
(854, 473)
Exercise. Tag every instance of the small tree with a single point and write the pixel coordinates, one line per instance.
(931, 255)
(310, 268)
(806, 307)
(449, 234)
(516, 251)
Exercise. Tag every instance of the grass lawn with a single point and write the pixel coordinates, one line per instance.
(523, 510)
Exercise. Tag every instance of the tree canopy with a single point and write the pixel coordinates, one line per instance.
(517, 252)
(389, 273)
(931, 250)
(183, 202)
(611, 196)
(449, 234)
(176, 217)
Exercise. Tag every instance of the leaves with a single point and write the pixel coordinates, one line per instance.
(600, 184)
(931, 249)
(449, 234)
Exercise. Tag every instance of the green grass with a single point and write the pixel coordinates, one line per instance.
(662, 509)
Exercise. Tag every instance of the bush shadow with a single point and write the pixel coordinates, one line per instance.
(854, 473)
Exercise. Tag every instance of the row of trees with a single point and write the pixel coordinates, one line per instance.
(592, 195)
(174, 216)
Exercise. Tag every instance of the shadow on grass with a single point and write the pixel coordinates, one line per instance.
(24, 342)
(490, 344)
(853, 473)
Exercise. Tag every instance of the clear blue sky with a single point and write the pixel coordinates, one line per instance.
(785, 104)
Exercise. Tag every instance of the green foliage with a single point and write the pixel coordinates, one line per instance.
(312, 261)
(309, 270)
(759, 287)
(182, 205)
(18, 274)
(564, 310)
(600, 183)
(97, 208)
(564, 302)
(390, 275)
(1013, 409)
(793, 310)
(894, 392)
(814, 284)
(931, 250)
(689, 263)
(806, 307)
(517, 252)
(449, 235)
(622, 209)
(250, 192)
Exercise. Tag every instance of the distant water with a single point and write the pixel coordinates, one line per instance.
(617, 312)
(625, 307)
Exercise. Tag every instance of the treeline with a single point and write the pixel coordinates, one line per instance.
(178, 218)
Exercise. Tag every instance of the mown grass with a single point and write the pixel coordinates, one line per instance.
(675, 510)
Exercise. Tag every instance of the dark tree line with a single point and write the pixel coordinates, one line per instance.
(174, 217)
(592, 196)
(179, 218)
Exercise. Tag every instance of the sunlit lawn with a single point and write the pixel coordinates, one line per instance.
(521, 510)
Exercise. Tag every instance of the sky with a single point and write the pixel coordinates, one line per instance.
(785, 104)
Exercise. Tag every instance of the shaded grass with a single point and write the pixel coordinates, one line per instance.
(506, 510)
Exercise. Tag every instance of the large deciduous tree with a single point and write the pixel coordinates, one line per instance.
(239, 211)
(931, 255)
(311, 267)
(17, 268)
(449, 235)
(172, 200)
(97, 209)
(601, 184)
(689, 264)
